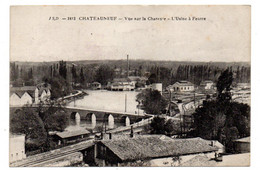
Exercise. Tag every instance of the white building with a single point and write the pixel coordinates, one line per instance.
(16, 147)
(207, 85)
(96, 86)
(181, 86)
(20, 96)
(156, 86)
(121, 84)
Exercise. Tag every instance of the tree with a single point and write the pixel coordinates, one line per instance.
(59, 86)
(74, 73)
(152, 101)
(222, 119)
(224, 86)
(104, 74)
(82, 78)
(160, 125)
(27, 122)
(63, 69)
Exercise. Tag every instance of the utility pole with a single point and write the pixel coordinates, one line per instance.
(125, 102)
(170, 101)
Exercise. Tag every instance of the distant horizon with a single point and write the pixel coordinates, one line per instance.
(132, 60)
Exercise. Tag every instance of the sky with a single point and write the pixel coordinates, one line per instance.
(224, 36)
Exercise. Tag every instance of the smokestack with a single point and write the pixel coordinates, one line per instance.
(127, 65)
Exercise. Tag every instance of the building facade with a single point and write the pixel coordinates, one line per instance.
(181, 86)
(16, 147)
(20, 96)
(207, 85)
(150, 150)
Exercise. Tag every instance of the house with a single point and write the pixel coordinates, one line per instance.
(16, 147)
(181, 86)
(156, 86)
(207, 85)
(121, 84)
(20, 96)
(137, 79)
(71, 136)
(150, 150)
(242, 145)
(96, 86)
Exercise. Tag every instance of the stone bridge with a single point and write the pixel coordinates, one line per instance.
(110, 117)
(92, 115)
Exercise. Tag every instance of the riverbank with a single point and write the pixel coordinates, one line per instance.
(70, 98)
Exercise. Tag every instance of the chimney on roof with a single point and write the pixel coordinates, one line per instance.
(110, 135)
(132, 132)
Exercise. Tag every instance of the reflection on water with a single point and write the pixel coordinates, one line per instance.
(77, 124)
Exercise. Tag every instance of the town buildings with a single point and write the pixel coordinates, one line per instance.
(125, 84)
(16, 147)
(20, 96)
(181, 86)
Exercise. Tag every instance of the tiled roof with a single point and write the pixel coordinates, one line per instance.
(67, 134)
(29, 89)
(154, 146)
(183, 83)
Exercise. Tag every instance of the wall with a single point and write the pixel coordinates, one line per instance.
(15, 100)
(26, 99)
(242, 147)
(16, 147)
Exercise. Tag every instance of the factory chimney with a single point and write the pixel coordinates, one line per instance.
(127, 65)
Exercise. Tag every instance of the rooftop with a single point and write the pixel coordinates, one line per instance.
(183, 83)
(155, 146)
(67, 134)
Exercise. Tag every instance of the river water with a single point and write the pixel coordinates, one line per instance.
(104, 100)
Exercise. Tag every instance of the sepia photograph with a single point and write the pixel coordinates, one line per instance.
(130, 86)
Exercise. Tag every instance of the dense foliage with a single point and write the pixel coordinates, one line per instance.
(104, 74)
(222, 119)
(160, 125)
(152, 102)
(29, 123)
(36, 125)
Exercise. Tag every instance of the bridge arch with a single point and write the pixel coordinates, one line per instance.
(91, 117)
(75, 115)
(125, 120)
(109, 118)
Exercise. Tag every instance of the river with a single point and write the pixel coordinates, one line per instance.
(104, 100)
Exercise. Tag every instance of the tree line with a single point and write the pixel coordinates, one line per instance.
(68, 75)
